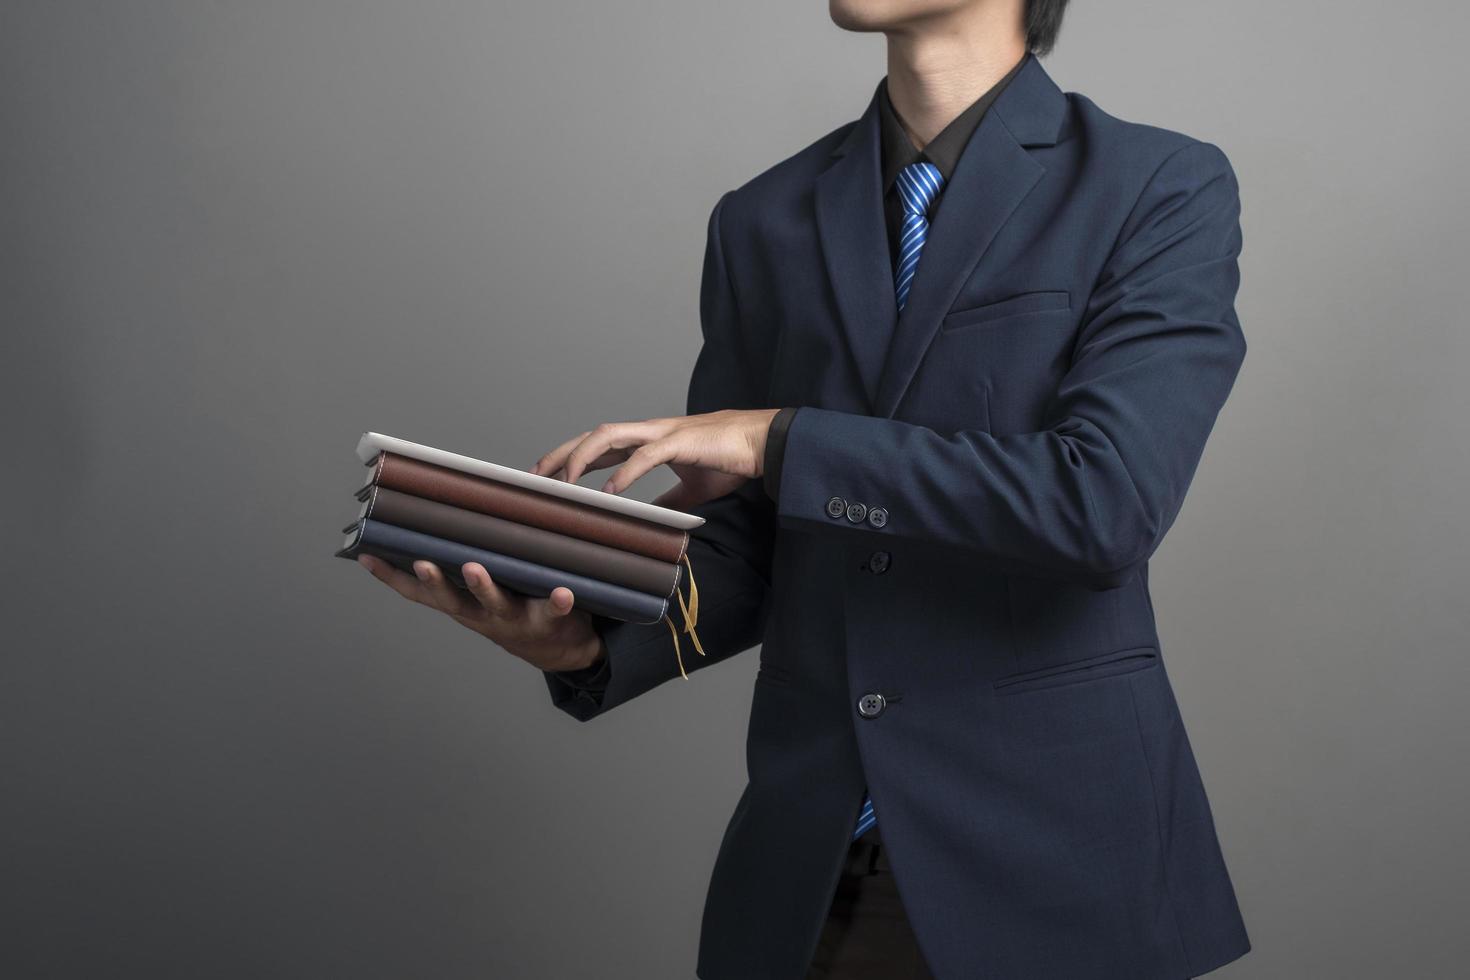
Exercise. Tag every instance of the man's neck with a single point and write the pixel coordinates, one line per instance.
(937, 68)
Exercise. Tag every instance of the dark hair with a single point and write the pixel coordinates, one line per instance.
(1043, 23)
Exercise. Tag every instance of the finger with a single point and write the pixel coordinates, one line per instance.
(552, 462)
(489, 594)
(544, 614)
(442, 594)
(644, 459)
(607, 436)
(609, 458)
(610, 435)
(560, 602)
(399, 581)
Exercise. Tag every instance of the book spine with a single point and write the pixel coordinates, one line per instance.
(533, 544)
(521, 506)
(401, 546)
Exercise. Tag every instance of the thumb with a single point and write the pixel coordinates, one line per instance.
(679, 496)
(560, 602)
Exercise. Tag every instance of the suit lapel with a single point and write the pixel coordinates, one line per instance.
(994, 174)
(849, 208)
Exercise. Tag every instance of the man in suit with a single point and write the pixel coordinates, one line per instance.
(961, 358)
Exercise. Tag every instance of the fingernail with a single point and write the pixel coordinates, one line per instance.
(607, 487)
(421, 570)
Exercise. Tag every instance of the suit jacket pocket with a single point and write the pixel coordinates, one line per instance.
(1118, 662)
(1043, 301)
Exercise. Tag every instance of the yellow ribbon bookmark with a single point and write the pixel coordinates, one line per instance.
(691, 617)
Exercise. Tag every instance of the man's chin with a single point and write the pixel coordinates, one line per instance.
(862, 15)
(872, 16)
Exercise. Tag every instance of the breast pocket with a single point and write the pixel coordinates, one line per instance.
(1011, 308)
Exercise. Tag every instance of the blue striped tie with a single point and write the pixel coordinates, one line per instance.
(918, 185)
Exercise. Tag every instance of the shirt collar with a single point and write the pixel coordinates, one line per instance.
(944, 149)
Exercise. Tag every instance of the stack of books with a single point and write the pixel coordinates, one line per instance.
(623, 559)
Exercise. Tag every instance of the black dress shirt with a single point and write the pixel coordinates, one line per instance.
(897, 151)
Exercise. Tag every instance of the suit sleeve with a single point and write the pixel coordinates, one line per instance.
(1088, 497)
(730, 553)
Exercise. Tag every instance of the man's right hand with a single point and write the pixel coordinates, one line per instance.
(550, 633)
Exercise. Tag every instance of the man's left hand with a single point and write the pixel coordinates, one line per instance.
(712, 454)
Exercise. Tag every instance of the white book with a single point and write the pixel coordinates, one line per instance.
(373, 443)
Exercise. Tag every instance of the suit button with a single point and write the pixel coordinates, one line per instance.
(878, 562)
(878, 516)
(856, 511)
(871, 705)
(836, 507)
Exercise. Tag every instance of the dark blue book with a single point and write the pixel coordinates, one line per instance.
(401, 547)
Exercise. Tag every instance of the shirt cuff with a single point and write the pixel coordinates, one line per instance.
(776, 451)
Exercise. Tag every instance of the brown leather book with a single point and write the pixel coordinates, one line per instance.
(521, 506)
(533, 544)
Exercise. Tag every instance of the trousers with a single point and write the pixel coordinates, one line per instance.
(867, 935)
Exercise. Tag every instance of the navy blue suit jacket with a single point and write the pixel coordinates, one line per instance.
(1028, 426)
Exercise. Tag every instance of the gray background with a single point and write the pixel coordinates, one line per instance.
(234, 235)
